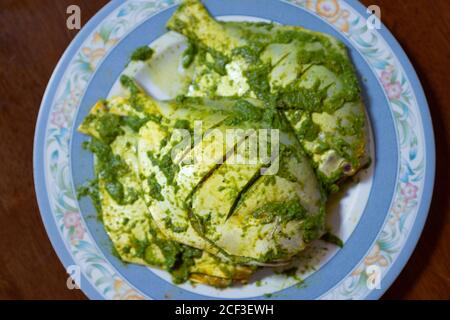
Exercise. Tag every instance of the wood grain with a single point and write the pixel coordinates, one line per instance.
(33, 36)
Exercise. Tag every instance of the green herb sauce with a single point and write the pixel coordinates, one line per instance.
(142, 54)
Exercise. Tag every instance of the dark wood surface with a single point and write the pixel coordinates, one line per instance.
(33, 36)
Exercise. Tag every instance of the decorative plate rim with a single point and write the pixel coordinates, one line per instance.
(50, 93)
(430, 154)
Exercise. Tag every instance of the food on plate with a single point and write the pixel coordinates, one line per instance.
(234, 173)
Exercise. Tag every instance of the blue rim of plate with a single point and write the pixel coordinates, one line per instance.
(48, 100)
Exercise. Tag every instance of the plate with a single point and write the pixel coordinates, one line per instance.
(380, 218)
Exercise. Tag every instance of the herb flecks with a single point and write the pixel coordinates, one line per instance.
(143, 53)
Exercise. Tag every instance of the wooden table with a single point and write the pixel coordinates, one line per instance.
(33, 35)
